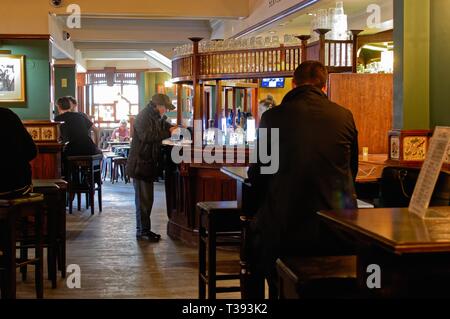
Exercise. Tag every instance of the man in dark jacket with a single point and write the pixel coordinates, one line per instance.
(76, 129)
(318, 163)
(150, 129)
(19, 150)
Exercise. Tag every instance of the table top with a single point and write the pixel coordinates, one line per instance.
(119, 143)
(237, 173)
(394, 229)
(370, 170)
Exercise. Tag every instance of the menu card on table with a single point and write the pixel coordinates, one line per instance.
(429, 175)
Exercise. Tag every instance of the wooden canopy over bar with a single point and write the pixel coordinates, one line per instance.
(337, 55)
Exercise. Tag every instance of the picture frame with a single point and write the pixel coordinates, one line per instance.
(12, 78)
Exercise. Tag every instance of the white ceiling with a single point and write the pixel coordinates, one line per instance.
(108, 40)
(356, 10)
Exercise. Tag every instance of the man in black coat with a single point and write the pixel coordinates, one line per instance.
(150, 129)
(318, 163)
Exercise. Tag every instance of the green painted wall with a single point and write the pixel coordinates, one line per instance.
(422, 64)
(37, 72)
(415, 68)
(142, 96)
(440, 63)
(151, 82)
(68, 73)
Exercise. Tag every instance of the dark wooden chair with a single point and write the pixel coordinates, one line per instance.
(219, 225)
(16, 216)
(397, 186)
(317, 277)
(84, 177)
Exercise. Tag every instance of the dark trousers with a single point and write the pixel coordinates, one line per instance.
(144, 202)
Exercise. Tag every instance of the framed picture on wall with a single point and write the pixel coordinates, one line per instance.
(12, 78)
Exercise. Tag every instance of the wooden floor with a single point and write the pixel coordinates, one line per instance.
(115, 265)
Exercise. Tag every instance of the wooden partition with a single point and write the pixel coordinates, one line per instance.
(370, 98)
(47, 164)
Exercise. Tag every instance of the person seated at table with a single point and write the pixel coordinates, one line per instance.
(73, 104)
(122, 133)
(76, 130)
(318, 164)
(19, 150)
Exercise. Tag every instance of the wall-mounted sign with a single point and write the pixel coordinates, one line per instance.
(429, 175)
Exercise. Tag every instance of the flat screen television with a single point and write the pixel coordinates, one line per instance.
(272, 83)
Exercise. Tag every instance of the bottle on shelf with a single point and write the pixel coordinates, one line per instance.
(240, 136)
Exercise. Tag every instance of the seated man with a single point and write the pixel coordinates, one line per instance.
(19, 150)
(122, 133)
(76, 130)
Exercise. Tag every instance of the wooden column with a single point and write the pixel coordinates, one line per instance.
(322, 33)
(255, 103)
(304, 39)
(197, 100)
(218, 116)
(245, 107)
(203, 110)
(225, 90)
(234, 106)
(81, 85)
(355, 49)
(179, 104)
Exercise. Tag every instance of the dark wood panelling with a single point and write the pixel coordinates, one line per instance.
(370, 98)
(47, 165)
(25, 36)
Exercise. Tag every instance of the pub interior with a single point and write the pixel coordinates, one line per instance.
(223, 69)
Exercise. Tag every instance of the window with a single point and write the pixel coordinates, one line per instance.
(115, 96)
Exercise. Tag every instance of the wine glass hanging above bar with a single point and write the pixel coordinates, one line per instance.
(243, 59)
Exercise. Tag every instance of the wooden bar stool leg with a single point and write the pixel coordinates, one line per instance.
(51, 265)
(79, 201)
(39, 263)
(92, 194)
(201, 259)
(211, 259)
(10, 260)
(100, 206)
(71, 197)
(24, 268)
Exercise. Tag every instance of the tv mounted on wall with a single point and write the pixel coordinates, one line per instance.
(272, 83)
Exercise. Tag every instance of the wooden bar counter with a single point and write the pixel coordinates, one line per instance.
(189, 183)
(47, 164)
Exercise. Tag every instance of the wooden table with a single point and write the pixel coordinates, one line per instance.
(413, 254)
(244, 201)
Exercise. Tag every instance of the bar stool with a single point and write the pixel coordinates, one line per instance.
(84, 177)
(15, 215)
(108, 165)
(119, 163)
(39, 186)
(317, 277)
(219, 225)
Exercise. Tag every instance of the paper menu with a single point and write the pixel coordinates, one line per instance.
(429, 173)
